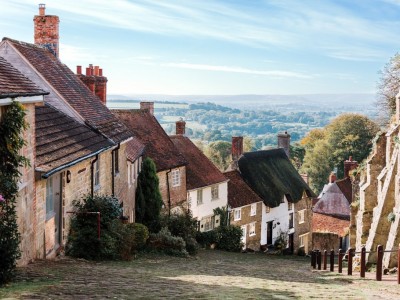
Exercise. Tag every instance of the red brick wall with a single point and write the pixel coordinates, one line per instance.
(46, 32)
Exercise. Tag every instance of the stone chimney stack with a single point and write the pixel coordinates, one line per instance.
(95, 81)
(46, 31)
(237, 147)
(147, 105)
(349, 165)
(332, 177)
(284, 142)
(180, 127)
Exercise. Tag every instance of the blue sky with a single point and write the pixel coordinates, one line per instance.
(221, 47)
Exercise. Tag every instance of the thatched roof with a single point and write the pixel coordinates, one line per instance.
(271, 175)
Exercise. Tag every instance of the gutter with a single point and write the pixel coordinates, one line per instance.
(113, 169)
(91, 175)
(168, 192)
(48, 174)
(17, 95)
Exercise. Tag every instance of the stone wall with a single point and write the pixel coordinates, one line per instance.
(177, 194)
(305, 227)
(325, 241)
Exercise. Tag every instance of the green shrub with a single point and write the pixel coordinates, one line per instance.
(83, 240)
(165, 242)
(206, 238)
(184, 226)
(141, 235)
(125, 239)
(229, 238)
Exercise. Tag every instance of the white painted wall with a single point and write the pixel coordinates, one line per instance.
(206, 208)
(279, 214)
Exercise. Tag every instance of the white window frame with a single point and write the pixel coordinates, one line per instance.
(290, 206)
(253, 209)
(252, 229)
(301, 216)
(176, 177)
(215, 192)
(237, 214)
(301, 239)
(96, 174)
(199, 197)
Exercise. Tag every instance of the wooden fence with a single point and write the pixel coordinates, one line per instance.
(319, 260)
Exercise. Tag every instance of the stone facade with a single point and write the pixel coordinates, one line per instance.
(177, 194)
(251, 241)
(378, 199)
(303, 228)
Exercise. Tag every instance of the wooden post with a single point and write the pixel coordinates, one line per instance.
(314, 259)
(332, 260)
(350, 262)
(398, 265)
(340, 261)
(325, 258)
(319, 259)
(379, 251)
(362, 262)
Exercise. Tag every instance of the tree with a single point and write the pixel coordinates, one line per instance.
(148, 197)
(219, 153)
(388, 88)
(327, 148)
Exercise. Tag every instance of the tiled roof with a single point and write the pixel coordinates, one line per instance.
(73, 90)
(325, 223)
(61, 140)
(332, 201)
(158, 145)
(271, 175)
(239, 193)
(200, 171)
(14, 84)
(346, 187)
(134, 149)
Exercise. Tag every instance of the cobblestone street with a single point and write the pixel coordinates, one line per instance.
(211, 275)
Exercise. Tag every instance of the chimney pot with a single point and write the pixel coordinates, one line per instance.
(87, 71)
(79, 70)
(96, 71)
(100, 72)
(42, 9)
(284, 142)
(147, 105)
(349, 165)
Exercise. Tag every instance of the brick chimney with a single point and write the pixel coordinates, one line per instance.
(349, 165)
(46, 31)
(180, 127)
(332, 177)
(237, 147)
(94, 80)
(147, 105)
(284, 142)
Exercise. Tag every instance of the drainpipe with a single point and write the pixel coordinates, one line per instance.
(92, 175)
(168, 193)
(113, 169)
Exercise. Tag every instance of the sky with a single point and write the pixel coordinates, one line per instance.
(231, 47)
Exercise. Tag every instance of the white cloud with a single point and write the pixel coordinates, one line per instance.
(233, 69)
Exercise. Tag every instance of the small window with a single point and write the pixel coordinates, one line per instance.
(49, 196)
(290, 205)
(176, 178)
(214, 192)
(303, 240)
(237, 214)
(252, 229)
(253, 209)
(116, 161)
(290, 220)
(96, 174)
(267, 209)
(301, 216)
(199, 197)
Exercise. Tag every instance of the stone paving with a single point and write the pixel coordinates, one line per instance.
(210, 275)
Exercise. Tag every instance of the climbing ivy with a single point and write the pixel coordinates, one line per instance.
(12, 125)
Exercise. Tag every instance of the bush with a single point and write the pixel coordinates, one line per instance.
(83, 239)
(141, 235)
(165, 242)
(125, 239)
(229, 238)
(184, 226)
